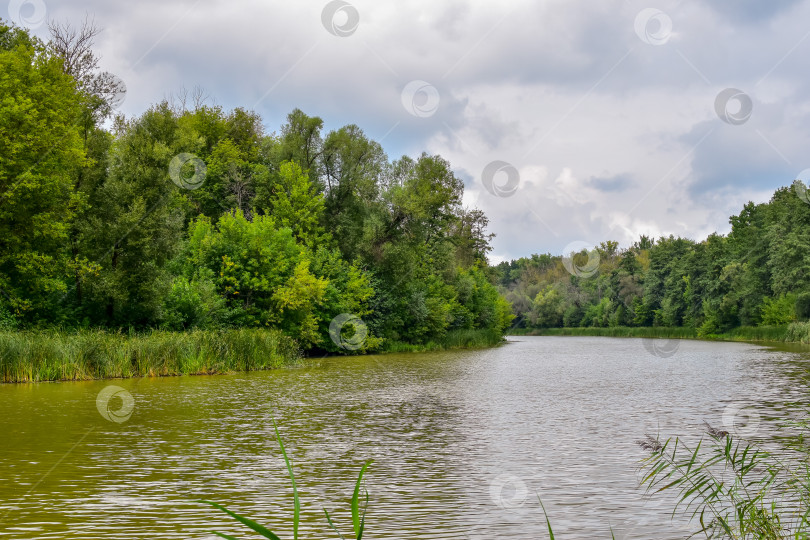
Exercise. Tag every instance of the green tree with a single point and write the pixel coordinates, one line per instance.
(295, 204)
(136, 223)
(547, 309)
(40, 151)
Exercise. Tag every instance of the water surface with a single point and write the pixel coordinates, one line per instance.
(463, 442)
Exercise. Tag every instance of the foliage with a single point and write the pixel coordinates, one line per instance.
(754, 276)
(780, 310)
(284, 231)
(40, 152)
(799, 332)
(802, 309)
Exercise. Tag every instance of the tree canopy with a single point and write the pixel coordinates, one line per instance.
(758, 274)
(199, 217)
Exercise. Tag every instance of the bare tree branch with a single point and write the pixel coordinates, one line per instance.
(75, 47)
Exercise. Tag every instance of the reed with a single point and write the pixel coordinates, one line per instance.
(798, 332)
(454, 339)
(757, 333)
(735, 489)
(358, 517)
(53, 355)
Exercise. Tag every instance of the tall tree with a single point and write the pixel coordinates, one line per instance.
(40, 152)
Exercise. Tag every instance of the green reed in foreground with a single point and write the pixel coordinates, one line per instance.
(358, 518)
(735, 489)
(30, 356)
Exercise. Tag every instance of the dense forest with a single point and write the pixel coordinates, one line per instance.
(194, 217)
(757, 275)
(190, 216)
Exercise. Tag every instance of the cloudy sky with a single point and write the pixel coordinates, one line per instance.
(605, 120)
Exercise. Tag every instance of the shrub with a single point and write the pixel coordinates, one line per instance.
(803, 306)
(780, 310)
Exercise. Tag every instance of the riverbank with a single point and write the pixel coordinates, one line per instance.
(32, 356)
(52, 355)
(797, 332)
(454, 339)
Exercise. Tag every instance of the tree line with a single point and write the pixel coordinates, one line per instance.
(192, 216)
(756, 275)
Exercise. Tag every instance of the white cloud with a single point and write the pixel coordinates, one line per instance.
(613, 137)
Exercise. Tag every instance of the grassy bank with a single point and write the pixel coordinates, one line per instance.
(455, 339)
(51, 355)
(28, 356)
(797, 332)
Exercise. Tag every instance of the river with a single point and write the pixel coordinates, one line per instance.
(463, 442)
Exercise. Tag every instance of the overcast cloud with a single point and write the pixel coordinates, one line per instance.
(610, 123)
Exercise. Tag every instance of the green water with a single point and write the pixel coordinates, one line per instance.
(462, 441)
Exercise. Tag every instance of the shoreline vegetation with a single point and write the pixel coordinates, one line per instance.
(190, 238)
(749, 284)
(52, 355)
(796, 332)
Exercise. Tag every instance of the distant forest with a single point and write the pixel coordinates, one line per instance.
(757, 275)
(192, 216)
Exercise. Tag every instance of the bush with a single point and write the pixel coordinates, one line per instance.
(778, 311)
(193, 304)
(803, 306)
(572, 316)
(711, 324)
(7, 319)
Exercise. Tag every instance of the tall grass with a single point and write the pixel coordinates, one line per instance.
(30, 356)
(454, 339)
(798, 332)
(54, 355)
(756, 333)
